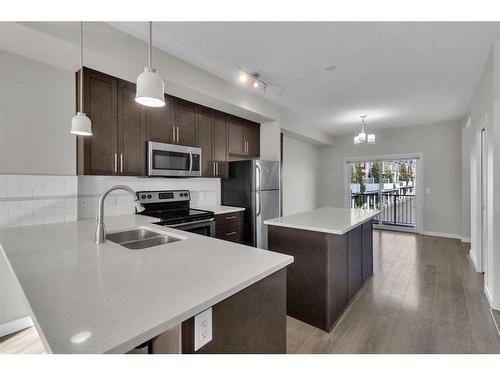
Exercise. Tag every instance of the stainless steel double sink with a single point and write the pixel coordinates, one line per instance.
(137, 239)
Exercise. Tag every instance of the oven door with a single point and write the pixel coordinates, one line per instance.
(173, 160)
(203, 227)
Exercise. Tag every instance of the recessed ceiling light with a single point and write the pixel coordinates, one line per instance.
(331, 67)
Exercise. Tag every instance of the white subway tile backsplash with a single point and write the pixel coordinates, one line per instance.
(31, 220)
(32, 203)
(53, 219)
(204, 192)
(33, 199)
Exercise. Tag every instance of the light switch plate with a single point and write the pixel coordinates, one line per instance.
(427, 190)
(202, 329)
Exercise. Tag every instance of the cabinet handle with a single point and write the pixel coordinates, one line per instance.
(173, 134)
(213, 168)
(230, 217)
(116, 162)
(121, 163)
(230, 233)
(216, 168)
(178, 134)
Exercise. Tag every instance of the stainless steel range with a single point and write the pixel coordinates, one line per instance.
(173, 209)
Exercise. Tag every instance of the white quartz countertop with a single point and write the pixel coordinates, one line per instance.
(88, 298)
(219, 210)
(326, 219)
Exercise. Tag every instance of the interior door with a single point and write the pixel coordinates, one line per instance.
(267, 207)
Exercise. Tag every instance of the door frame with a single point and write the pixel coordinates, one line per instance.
(419, 196)
(479, 188)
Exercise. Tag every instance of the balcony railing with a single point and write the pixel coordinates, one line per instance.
(397, 208)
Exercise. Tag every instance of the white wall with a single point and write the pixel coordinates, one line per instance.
(37, 103)
(300, 175)
(441, 148)
(482, 106)
(114, 52)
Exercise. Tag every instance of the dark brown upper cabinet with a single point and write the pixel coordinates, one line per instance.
(121, 128)
(158, 123)
(98, 154)
(131, 132)
(117, 145)
(244, 137)
(184, 122)
(212, 139)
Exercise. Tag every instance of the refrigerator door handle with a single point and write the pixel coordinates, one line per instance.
(258, 188)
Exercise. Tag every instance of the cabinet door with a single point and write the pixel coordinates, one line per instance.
(131, 132)
(205, 136)
(100, 105)
(252, 136)
(367, 250)
(158, 124)
(354, 280)
(220, 145)
(185, 121)
(236, 137)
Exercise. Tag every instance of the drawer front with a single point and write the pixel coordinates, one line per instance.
(228, 218)
(229, 227)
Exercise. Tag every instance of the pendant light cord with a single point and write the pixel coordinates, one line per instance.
(150, 42)
(81, 66)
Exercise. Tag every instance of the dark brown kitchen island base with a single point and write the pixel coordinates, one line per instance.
(327, 272)
(252, 321)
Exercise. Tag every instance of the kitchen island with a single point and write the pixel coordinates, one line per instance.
(333, 258)
(89, 298)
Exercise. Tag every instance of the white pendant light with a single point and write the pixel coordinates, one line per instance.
(150, 87)
(362, 137)
(80, 124)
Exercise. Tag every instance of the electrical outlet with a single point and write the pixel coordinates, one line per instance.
(202, 329)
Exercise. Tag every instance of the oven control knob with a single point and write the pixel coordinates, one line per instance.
(150, 196)
(143, 196)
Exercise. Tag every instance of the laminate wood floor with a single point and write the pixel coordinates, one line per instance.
(424, 297)
(26, 341)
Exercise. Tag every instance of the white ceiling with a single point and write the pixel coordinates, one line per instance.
(399, 74)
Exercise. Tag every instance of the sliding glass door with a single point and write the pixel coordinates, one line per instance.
(389, 185)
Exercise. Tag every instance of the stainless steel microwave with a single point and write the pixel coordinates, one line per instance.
(173, 160)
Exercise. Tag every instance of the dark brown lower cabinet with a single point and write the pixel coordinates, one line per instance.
(327, 271)
(354, 262)
(229, 227)
(252, 321)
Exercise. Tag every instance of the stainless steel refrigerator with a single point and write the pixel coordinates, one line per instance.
(255, 185)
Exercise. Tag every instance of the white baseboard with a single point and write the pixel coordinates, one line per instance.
(473, 257)
(465, 239)
(442, 234)
(15, 325)
(488, 296)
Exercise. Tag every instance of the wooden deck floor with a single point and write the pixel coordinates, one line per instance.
(424, 297)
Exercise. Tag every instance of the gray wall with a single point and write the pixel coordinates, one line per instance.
(441, 148)
(301, 175)
(37, 103)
